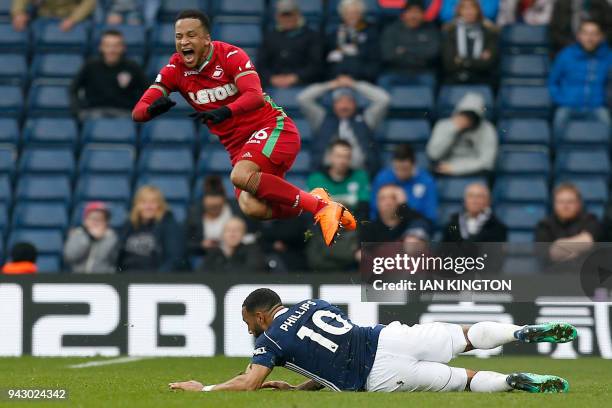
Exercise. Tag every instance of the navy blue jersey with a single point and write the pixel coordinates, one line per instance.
(319, 341)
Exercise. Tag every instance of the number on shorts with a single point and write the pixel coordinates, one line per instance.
(317, 319)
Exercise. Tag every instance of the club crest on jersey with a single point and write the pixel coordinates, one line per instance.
(219, 93)
(218, 72)
(259, 351)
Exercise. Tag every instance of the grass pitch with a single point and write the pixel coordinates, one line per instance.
(143, 383)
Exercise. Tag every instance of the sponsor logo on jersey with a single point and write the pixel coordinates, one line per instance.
(220, 93)
(247, 154)
(218, 72)
(259, 351)
(187, 73)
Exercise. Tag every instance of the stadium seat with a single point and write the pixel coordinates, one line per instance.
(214, 160)
(179, 210)
(523, 160)
(596, 209)
(174, 188)
(156, 63)
(13, 70)
(520, 265)
(305, 131)
(584, 132)
(3, 219)
(49, 100)
(524, 131)
(56, 65)
(169, 131)
(524, 68)
(9, 131)
(524, 102)
(11, 103)
(166, 160)
(525, 38)
(35, 187)
(46, 241)
(297, 180)
(134, 36)
(169, 9)
(286, 98)
(520, 216)
(520, 237)
(49, 264)
(45, 131)
(413, 131)
(107, 159)
(450, 189)
(239, 8)
(118, 210)
(43, 160)
(95, 187)
(302, 163)
(48, 37)
(162, 38)
(582, 162)
(8, 156)
(40, 215)
(411, 101)
(12, 41)
(521, 189)
(181, 109)
(450, 95)
(311, 8)
(119, 130)
(197, 191)
(6, 193)
(594, 189)
(240, 34)
(445, 211)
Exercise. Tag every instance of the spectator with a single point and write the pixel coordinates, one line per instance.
(92, 247)
(476, 223)
(232, 255)
(290, 54)
(124, 12)
(465, 143)
(347, 186)
(450, 7)
(151, 240)
(206, 220)
(354, 46)
(339, 258)
(70, 12)
(410, 49)
(567, 16)
(23, 260)
(533, 12)
(346, 122)
(109, 85)
(418, 185)
(570, 230)
(578, 78)
(469, 51)
(285, 242)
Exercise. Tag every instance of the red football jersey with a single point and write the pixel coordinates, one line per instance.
(213, 85)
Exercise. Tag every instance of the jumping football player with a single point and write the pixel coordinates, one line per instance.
(220, 82)
(317, 340)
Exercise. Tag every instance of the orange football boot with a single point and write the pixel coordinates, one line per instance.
(347, 219)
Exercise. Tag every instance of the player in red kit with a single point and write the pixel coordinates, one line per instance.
(221, 84)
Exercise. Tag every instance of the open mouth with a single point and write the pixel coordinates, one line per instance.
(188, 55)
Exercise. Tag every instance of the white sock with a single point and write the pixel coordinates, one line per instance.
(488, 335)
(489, 381)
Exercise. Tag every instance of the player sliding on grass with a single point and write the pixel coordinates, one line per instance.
(221, 84)
(317, 340)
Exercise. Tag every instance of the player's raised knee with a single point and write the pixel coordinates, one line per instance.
(253, 207)
(243, 173)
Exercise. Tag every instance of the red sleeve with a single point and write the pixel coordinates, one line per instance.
(165, 82)
(433, 10)
(251, 96)
(139, 113)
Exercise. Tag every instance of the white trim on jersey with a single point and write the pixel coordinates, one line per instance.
(312, 376)
(269, 338)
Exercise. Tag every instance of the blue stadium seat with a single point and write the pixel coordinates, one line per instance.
(6, 193)
(445, 211)
(156, 63)
(520, 237)
(524, 131)
(46, 241)
(179, 210)
(413, 131)
(12, 41)
(181, 109)
(311, 8)
(40, 215)
(525, 38)
(45, 131)
(450, 189)
(9, 131)
(49, 263)
(297, 180)
(3, 219)
(582, 162)
(524, 102)
(240, 34)
(523, 160)
(597, 209)
(35, 187)
(134, 36)
(5, 9)
(521, 189)
(49, 100)
(169, 9)
(166, 160)
(197, 190)
(11, 103)
(239, 8)
(162, 38)
(286, 98)
(8, 156)
(521, 265)
(107, 159)
(411, 100)
(450, 95)
(56, 65)
(585, 132)
(520, 216)
(169, 131)
(94, 187)
(119, 130)
(594, 189)
(49, 38)
(174, 188)
(305, 131)
(214, 160)
(43, 160)
(524, 66)
(118, 210)
(302, 163)
(13, 70)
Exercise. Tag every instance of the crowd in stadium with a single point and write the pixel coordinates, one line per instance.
(453, 120)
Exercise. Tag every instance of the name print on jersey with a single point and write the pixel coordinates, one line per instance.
(303, 308)
(204, 96)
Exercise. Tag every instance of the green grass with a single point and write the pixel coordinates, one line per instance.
(144, 384)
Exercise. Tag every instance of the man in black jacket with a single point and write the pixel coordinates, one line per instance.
(108, 85)
(291, 54)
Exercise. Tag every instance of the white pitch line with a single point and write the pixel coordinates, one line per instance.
(120, 360)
